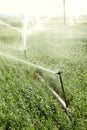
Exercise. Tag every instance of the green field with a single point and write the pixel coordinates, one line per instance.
(26, 102)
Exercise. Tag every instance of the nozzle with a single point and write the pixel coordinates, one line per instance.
(59, 73)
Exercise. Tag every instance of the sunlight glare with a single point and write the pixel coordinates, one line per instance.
(43, 7)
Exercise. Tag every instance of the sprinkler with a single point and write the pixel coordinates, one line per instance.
(62, 86)
(25, 24)
(25, 53)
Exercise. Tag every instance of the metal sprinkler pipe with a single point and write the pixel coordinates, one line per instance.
(25, 22)
(25, 53)
(62, 86)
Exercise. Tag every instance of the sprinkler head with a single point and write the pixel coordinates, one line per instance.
(59, 73)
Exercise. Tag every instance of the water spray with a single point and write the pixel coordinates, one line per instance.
(63, 103)
(10, 26)
(62, 86)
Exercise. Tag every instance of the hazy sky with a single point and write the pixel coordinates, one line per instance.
(43, 7)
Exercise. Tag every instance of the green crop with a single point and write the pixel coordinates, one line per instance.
(26, 102)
